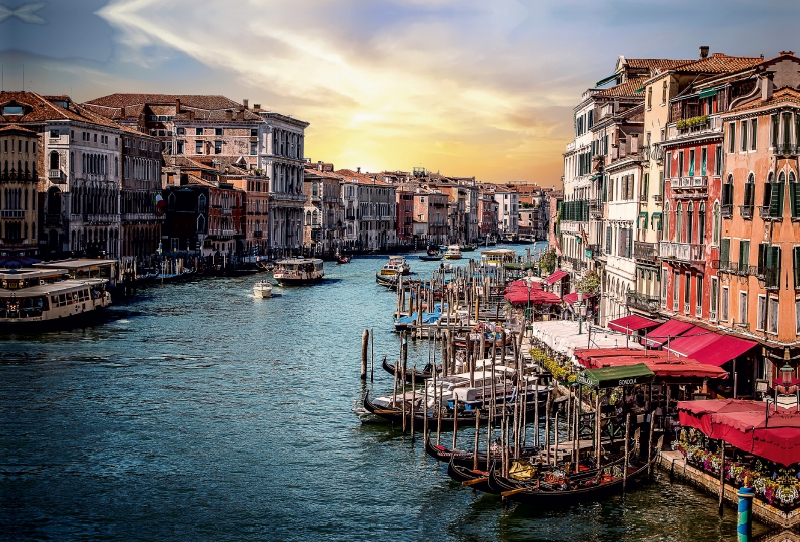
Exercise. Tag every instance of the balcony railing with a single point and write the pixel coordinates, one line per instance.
(658, 198)
(645, 251)
(769, 275)
(55, 175)
(12, 213)
(682, 252)
(765, 214)
(227, 211)
(52, 219)
(258, 234)
(576, 264)
(726, 210)
(787, 149)
(642, 302)
(746, 211)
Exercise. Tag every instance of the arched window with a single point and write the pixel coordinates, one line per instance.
(664, 92)
(690, 223)
(749, 195)
(666, 221)
(794, 195)
(54, 160)
(701, 224)
(679, 223)
(727, 196)
(716, 225)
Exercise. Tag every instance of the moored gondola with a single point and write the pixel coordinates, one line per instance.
(411, 374)
(476, 479)
(466, 418)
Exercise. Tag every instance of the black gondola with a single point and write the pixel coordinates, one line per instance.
(466, 418)
(411, 375)
(553, 492)
(476, 479)
(463, 458)
(431, 257)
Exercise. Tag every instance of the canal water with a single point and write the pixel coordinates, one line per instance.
(200, 413)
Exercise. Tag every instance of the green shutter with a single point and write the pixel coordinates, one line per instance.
(794, 198)
(744, 255)
(705, 159)
(724, 251)
(762, 257)
(796, 258)
(775, 199)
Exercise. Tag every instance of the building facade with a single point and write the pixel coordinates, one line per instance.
(19, 179)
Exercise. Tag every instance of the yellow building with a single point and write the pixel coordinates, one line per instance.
(19, 153)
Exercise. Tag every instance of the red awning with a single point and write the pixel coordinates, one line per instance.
(687, 345)
(517, 294)
(723, 350)
(572, 298)
(656, 360)
(667, 331)
(745, 424)
(556, 276)
(632, 323)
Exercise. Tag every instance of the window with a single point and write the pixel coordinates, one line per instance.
(691, 163)
(253, 132)
(727, 191)
(679, 223)
(687, 292)
(753, 134)
(680, 164)
(712, 309)
(744, 254)
(217, 131)
(180, 131)
(676, 288)
(776, 197)
(703, 160)
(718, 160)
(664, 288)
(664, 92)
(698, 295)
(744, 135)
(732, 137)
(796, 266)
(253, 148)
(668, 163)
(645, 186)
(797, 316)
(724, 301)
(649, 97)
(773, 137)
(772, 315)
(761, 313)
(198, 147)
(794, 194)
(701, 224)
(666, 219)
(724, 252)
(750, 191)
(742, 307)
(198, 131)
(181, 146)
(690, 223)
(218, 147)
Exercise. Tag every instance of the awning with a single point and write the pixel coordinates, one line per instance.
(693, 340)
(632, 323)
(708, 92)
(605, 80)
(667, 331)
(611, 377)
(745, 425)
(677, 370)
(556, 276)
(595, 177)
(723, 350)
(572, 298)
(638, 90)
(517, 293)
(655, 216)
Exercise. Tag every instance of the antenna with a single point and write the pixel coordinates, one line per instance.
(23, 78)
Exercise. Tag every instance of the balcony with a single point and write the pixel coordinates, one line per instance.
(770, 276)
(786, 150)
(642, 302)
(726, 210)
(12, 213)
(228, 211)
(258, 234)
(647, 252)
(765, 214)
(658, 198)
(682, 252)
(100, 218)
(746, 211)
(55, 175)
(577, 265)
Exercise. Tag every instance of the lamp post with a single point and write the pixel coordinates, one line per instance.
(529, 285)
(581, 310)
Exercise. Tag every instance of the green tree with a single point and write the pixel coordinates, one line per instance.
(547, 263)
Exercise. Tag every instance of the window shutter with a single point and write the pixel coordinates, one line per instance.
(794, 199)
(608, 239)
(796, 258)
(776, 199)
(724, 251)
(744, 255)
(781, 193)
(628, 240)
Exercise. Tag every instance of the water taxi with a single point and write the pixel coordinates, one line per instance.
(497, 257)
(262, 289)
(297, 271)
(397, 265)
(453, 253)
(41, 298)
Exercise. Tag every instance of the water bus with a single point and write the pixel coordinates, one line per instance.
(497, 257)
(297, 271)
(453, 253)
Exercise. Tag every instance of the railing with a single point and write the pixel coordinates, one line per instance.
(12, 213)
(100, 218)
(258, 234)
(227, 211)
(642, 302)
(684, 252)
(769, 275)
(764, 211)
(54, 174)
(700, 182)
(52, 219)
(787, 150)
(726, 210)
(658, 198)
(735, 268)
(645, 251)
(577, 264)
(746, 211)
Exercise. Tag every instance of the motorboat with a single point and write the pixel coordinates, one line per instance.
(395, 267)
(262, 289)
(298, 271)
(453, 253)
(401, 262)
(497, 257)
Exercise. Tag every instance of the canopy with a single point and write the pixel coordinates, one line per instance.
(572, 298)
(562, 337)
(632, 323)
(673, 368)
(556, 276)
(747, 425)
(517, 293)
(693, 340)
(708, 92)
(666, 331)
(723, 350)
(611, 377)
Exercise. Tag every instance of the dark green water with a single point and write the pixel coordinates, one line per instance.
(200, 413)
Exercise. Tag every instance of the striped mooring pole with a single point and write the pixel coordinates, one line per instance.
(744, 528)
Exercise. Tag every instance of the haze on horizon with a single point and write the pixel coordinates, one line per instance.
(465, 87)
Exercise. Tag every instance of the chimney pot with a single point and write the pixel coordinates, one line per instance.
(256, 107)
(358, 170)
(246, 103)
(787, 53)
(704, 51)
(177, 105)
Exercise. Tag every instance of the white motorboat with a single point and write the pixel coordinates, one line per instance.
(453, 253)
(297, 271)
(262, 289)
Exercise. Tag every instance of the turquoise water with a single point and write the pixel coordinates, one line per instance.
(200, 413)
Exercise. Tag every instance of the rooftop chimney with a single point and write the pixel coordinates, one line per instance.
(358, 170)
(229, 114)
(256, 107)
(787, 53)
(177, 105)
(246, 103)
(704, 51)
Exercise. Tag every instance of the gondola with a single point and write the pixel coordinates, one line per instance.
(476, 479)
(343, 259)
(464, 458)
(431, 258)
(388, 281)
(465, 418)
(417, 376)
(551, 491)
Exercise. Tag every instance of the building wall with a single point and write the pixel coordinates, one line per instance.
(19, 171)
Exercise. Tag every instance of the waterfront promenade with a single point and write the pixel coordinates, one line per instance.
(198, 412)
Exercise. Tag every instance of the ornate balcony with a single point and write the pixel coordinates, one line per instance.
(726, 210)
(786, 150)
(746, 211)
(765, 214)
(647, 252)
(682, 252)
(642, 302)
(12, 213)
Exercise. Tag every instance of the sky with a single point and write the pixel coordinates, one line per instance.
(464, 87)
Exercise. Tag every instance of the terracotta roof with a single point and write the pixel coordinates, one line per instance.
(627, 88)
(197, 101)
(352, 176)
(40, 109)
(16, 128)
(654, 63)
(720, 63)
